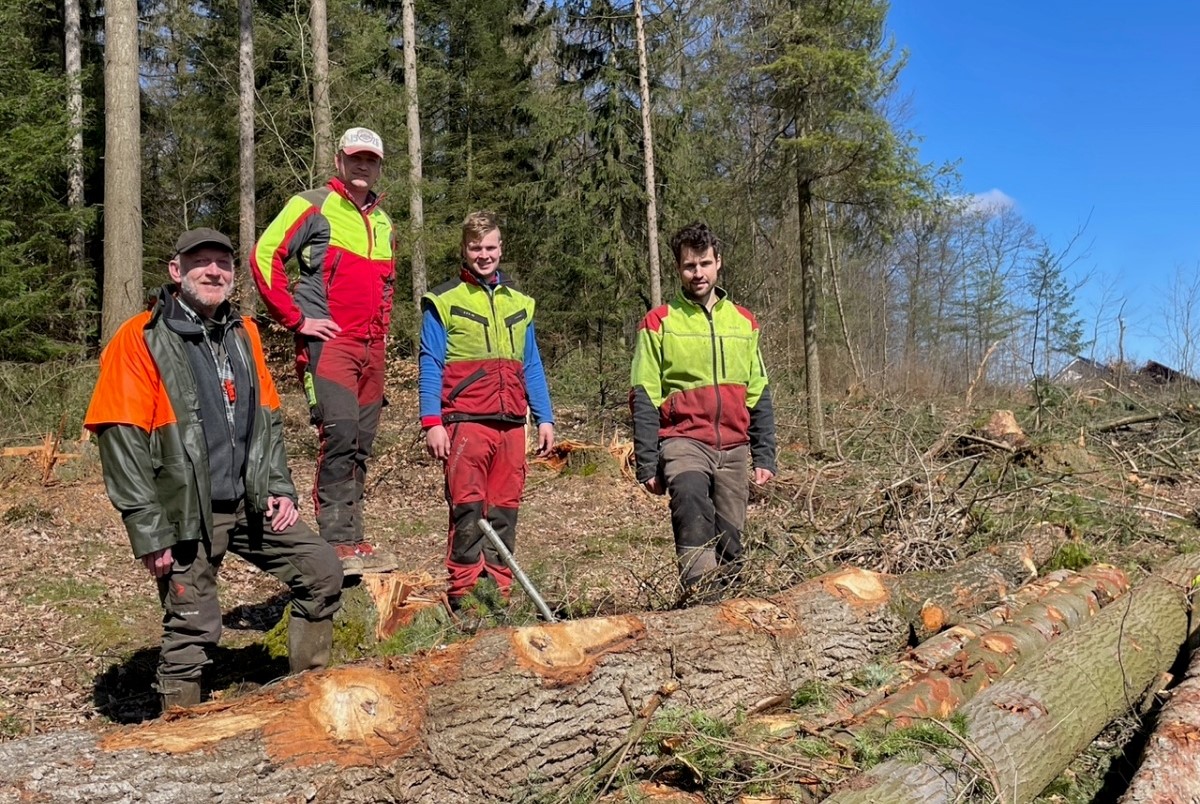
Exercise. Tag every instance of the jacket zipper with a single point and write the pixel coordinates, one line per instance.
(491, 294)
(511, 322)
(712, 330)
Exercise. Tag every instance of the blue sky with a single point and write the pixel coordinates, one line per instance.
(1081, 113)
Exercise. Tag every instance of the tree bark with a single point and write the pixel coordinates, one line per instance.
(1168, 772)
(1026, 729)
(247, 232)
(809, 295)
(73, 58)
(478, 720)
(648, 146)
(416, 204)
(123, 293)
(939, 691)
(322, 124)
(940, 650)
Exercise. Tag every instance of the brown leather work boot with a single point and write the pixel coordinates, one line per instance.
(352, 564)
(376, 559)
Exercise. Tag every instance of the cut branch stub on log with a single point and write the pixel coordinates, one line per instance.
(479, 719)
(1033, 723)
(1170, 768)
(945, 604)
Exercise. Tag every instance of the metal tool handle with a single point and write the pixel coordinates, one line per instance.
(511, 563)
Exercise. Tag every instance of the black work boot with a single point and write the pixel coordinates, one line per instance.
(310, 644)
(179, 692)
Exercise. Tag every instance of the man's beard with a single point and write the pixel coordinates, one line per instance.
(197, 296)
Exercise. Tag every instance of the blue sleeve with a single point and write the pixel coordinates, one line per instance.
(431, 363)
(536, 387)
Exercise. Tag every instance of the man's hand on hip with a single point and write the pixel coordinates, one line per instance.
(322, 329)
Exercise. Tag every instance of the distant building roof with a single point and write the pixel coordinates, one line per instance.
(1082, 370)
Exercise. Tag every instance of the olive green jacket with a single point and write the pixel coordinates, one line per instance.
(146, 412)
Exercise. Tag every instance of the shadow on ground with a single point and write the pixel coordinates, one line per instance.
(124, 693)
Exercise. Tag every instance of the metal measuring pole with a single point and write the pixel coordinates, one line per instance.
(511, 563)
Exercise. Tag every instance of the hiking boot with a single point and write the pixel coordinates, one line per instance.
(351, 563)
(375, 559)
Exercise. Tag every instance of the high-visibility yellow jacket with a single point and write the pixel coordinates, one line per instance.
(699, 374)
(485, 331)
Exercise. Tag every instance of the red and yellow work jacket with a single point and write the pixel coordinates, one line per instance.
(699, 374)
(346, 258)
(484, 374)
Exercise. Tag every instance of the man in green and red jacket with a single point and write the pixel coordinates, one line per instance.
(702, 414)
(340, 309)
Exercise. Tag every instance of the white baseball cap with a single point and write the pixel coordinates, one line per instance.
(361, 139)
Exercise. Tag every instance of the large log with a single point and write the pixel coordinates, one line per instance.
(939, 691)
(1026, 729)
(478, 720)
(1170, 769)
(936, 652)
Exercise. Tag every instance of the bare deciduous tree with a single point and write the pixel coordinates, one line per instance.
(648, 145)
(322, 124)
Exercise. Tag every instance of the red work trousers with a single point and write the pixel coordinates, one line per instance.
(485, 477)
(343, 380)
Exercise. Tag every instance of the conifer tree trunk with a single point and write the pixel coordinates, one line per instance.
(246, 230)
(122, 168)
(322, 124)
(648, 140)
(416, 204)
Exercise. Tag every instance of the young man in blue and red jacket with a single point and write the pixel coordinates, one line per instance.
(339, 309)
(480, 373)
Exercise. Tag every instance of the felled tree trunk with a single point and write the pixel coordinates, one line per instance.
(931, 653)
(1025, 730)
(1170, 769)
(939, 691)
(480, 719)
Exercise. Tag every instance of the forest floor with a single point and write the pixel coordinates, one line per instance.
(901, 487)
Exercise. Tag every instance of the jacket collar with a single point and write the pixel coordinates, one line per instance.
(682, 297)
(182, 319)
(498, 279)
(339, 187)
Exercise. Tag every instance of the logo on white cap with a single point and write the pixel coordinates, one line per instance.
(361, 139)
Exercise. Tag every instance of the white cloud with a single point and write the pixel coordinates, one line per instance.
(991, 202)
